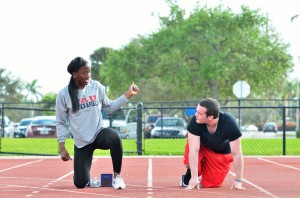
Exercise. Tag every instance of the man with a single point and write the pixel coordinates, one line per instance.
(214, 140)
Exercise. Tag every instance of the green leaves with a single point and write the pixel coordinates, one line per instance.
(10, 87)
(201, 55)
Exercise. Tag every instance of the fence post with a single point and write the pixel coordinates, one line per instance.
(139, 128)
(240, 117)
(283, 131)
(2, 125)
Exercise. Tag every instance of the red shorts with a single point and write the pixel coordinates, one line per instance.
(212, 167)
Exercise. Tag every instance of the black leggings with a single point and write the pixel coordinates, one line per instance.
(106, 139)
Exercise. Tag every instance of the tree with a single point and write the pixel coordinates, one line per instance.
(202, 55)
(49, 102)
(97, 58)
(10, 87)
(32, 95)
(214, 48)
(49, 98)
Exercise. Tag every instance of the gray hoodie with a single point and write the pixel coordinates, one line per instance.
(87, 121)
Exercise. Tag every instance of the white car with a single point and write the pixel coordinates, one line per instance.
(169, 127)
(124, 123)
(249, 128)
(8, 127)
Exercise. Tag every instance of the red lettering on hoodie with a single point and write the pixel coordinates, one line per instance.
(93, 98)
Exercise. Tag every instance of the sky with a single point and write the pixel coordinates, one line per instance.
(39, 38)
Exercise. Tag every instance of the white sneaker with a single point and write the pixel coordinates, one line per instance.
(118, 182)
(95, 183)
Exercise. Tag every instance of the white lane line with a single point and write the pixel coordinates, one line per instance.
(256, 186)
(64, 176)
(20, 165)
(150, 180)
(291, 167)
(66, 191)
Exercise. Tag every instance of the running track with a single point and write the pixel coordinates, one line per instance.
(145, 177)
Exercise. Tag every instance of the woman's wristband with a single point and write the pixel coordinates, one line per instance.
(238, 180)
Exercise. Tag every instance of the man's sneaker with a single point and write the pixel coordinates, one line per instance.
(182, 183)
(187, 177)
(118, 182)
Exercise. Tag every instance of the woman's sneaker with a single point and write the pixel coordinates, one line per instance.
(118, 182)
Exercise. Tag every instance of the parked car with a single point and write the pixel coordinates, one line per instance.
(8, 127)
(169, 127)
(249, 128)
(149, 125)
(122, 121)
(270, 127)
(20, 130)
(42, 127)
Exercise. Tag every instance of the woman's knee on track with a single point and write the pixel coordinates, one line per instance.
(80, 183)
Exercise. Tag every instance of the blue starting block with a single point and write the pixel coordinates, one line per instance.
(106, 180)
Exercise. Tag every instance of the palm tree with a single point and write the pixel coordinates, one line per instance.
(33, 95)
(295, 17)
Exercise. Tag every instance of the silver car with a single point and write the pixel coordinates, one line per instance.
(270, 127)
(20, 130)
(8, 127)
(169, 127)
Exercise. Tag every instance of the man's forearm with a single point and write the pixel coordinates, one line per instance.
(239, 166)
(193, 162)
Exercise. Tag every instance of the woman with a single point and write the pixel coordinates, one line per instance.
(78, 109)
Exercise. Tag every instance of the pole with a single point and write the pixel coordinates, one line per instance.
(297, 109)
(297, 97)
(284, 132)
(139, 128)
(239, 112)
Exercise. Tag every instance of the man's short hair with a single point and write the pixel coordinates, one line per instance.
(212, 107)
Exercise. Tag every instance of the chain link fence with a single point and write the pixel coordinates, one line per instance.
(268, 127)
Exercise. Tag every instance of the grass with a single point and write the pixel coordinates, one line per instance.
(49, 146)
(270, 146)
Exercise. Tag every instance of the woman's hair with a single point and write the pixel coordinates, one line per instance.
(212, 107)
(74, 66)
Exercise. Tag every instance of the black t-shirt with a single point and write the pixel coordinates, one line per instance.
(227, 131)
